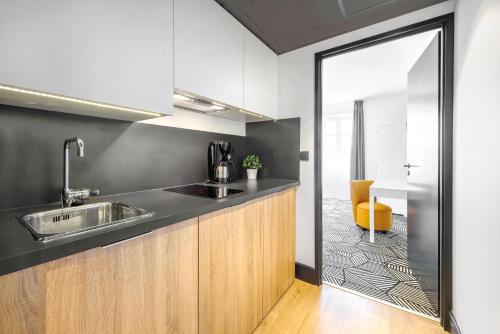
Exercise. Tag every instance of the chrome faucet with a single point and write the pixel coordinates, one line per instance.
(74, 196)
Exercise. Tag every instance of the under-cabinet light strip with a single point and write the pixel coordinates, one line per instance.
(75, 100)
(250, 113)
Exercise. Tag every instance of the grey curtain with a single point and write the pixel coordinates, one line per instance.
(358, 143)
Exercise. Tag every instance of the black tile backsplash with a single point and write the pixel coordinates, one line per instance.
(278, 145)
(119, 156)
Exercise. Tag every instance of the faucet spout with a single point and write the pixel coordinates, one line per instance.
(69, 196)
(80, 146)
(80, 152)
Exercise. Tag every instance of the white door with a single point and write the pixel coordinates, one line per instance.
(391, 151)
(391, 156)
(423, 169)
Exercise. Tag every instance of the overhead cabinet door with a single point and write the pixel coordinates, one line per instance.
(208, 51)
(260, 77)
(116, 52)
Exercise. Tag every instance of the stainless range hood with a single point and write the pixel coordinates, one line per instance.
(193, 102)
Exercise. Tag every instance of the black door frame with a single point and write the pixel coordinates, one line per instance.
(446, 23)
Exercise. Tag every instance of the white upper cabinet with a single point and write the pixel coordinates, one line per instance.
(260, 77)
(116, 52)
(208, 51)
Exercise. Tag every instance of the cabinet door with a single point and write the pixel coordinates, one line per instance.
(260, 77)
(279, 247)
(147, 284)
(208, 51)
(115, 51)
(230, 272)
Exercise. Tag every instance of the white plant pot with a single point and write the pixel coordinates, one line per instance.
(252, 174)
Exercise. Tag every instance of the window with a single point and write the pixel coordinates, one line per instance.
(337, 136)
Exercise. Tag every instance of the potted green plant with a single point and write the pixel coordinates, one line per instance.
(252, 164)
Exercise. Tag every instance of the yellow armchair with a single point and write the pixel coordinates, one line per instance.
(360, 197)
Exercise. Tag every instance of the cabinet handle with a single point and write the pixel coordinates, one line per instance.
(125, 240)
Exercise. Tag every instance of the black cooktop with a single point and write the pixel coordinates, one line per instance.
(201, 190)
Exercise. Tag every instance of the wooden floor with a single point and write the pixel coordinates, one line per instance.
(306, 308)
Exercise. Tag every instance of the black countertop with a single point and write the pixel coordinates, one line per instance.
(19, 250)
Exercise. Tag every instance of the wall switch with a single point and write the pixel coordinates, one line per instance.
(304, 155)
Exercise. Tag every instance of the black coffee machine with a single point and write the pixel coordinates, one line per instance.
(220, 166)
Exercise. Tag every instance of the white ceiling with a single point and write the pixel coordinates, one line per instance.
(374, 71)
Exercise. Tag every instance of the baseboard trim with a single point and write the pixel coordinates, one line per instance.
(454, 329)
(305, 273)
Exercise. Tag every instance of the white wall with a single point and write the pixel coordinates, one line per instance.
(296, 99)
(382, 111)
(476, 237)
(195, 121)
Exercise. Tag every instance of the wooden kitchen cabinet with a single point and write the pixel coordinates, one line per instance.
(147, 284)
(247, 262)
(230, 272)
(279, 246)
(219, 273)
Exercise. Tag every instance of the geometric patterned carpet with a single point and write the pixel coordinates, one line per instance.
(379, 270)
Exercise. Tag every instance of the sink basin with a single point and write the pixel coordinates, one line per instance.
(59, 223)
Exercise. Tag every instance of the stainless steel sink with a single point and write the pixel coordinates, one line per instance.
(59, 223)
